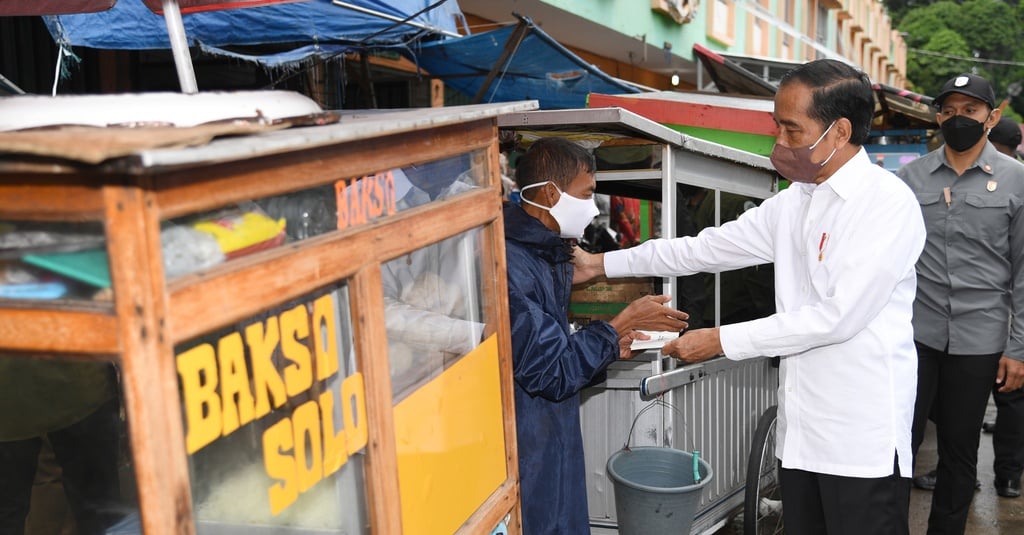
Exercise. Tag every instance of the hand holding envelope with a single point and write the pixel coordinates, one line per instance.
(655, 339)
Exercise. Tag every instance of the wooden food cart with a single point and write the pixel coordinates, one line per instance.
(299, 346)
(713, 406)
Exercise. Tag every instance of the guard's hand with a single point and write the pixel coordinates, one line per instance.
(695, 346)
(650, 314)
(588, 266)
(1010, 374)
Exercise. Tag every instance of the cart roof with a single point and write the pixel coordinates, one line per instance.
(624, 122)
(139, 156)
(354, 125)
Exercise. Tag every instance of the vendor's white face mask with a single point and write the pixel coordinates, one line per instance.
(571, 213)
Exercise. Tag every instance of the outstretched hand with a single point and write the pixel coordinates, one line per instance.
(588, 265)
(650, 313)
(695, 346)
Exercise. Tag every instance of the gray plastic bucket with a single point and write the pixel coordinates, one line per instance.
(654, 489)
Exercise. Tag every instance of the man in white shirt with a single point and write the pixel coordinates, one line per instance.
(844, 238)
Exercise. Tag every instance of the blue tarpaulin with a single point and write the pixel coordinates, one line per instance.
(533, 66)
(539, 68)
(303, 29)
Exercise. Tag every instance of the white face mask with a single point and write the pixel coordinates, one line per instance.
(572, 214)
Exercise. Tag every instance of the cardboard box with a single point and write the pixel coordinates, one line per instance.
(604, 299)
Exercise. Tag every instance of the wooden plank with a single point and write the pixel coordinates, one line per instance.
(48, 198)
(495, 281)
(502, 503)
(240, 289)
(149, 379)
(189, 191)
(63, 331)
(367, 301)
(354, 126)
(432, 223)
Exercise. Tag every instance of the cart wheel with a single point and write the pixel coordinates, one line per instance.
(762, 500)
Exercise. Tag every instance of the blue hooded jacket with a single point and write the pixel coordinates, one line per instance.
(551, 366)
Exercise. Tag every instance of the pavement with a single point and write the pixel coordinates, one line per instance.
(989, 514)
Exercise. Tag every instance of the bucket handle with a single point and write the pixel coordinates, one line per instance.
(661, 402)
(654, 403)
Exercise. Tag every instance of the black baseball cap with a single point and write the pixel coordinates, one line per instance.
(1006, 132)
(968, 84)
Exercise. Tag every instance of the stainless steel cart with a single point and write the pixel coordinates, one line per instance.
(718, 402)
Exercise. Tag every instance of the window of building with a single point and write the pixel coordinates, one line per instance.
(759, 29)
(786, 41)
(721, 22)
(821, 28)
(758, 38)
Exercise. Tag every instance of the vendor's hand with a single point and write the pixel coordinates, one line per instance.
(1010, 374)
(695, 346)
(650, 314)
(626, 340)
(588, 266)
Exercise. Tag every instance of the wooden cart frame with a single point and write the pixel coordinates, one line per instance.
(149, 315)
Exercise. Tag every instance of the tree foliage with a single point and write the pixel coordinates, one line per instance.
(898, 8)
(927, 72)
(920, 24)
(945, 38)
(989, 27)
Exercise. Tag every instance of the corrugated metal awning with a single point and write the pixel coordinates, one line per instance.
(730, 77)
(909, 109)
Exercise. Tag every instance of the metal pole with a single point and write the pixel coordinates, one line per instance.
(179, 47)
(523, 29)
(393, 18)
(10, 86)
(718, 275)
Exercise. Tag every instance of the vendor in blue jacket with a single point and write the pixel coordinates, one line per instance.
(552, 363)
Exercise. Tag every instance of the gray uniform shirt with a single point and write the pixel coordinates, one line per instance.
(973, 255)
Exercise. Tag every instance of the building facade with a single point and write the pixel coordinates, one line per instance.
(651, 41)
(646, 42)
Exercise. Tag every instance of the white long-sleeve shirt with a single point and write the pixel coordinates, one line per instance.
(844, 254)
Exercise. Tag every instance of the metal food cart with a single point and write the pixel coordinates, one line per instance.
(252, 292)
(718, 402)
(899, 133)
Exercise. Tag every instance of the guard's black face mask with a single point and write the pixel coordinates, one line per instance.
(962, 132)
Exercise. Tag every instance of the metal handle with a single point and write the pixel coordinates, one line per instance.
(655, 385)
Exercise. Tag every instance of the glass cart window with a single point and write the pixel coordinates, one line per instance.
(205, 240)
(432, 309)
(64, 451)
(387, 192)
(446, 384)
(200, 241)
(275, 419)
(54, 261)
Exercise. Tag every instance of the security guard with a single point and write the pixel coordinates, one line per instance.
(972, 200)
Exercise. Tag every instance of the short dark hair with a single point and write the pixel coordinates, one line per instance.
(838, 90)
(553, 158)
